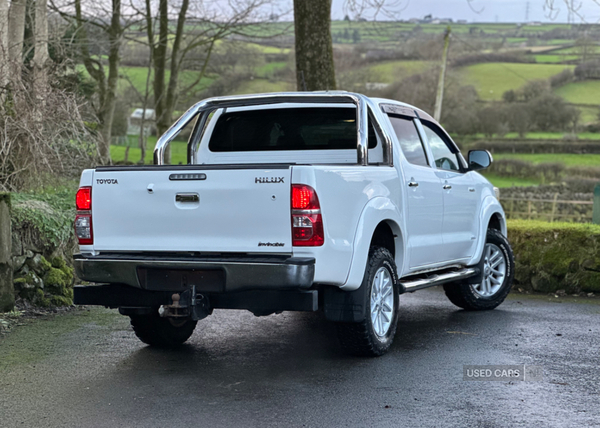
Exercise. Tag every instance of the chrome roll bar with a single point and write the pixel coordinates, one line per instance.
(204, 108)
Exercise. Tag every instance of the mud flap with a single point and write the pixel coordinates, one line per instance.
(344, 306)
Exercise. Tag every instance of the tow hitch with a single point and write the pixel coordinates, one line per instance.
(187, 304)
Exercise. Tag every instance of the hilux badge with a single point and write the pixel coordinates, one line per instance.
(265, 180)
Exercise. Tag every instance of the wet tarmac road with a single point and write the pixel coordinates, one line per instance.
(87, 369)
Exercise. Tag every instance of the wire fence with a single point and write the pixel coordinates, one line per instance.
(548, 209)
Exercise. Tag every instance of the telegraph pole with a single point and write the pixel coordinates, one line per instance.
(437, 114)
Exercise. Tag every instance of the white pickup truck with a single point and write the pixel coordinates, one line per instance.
(328, 201)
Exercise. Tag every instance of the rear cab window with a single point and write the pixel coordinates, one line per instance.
(287, 134)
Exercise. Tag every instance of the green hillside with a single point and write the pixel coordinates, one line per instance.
(491, 80)
(587, 92)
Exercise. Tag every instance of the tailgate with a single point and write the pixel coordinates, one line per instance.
(221, 209)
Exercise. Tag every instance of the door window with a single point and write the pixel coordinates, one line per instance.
(443, 156)
(409, 139)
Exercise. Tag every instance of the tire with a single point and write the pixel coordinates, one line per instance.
(374, 335)
(162, 332)
(489, 293)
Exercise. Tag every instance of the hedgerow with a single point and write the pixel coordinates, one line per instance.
(555, 256)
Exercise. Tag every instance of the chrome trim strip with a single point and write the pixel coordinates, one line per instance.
(306, 212)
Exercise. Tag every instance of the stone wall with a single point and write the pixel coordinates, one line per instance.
(7, 297)
(41, 274)
(34, 266)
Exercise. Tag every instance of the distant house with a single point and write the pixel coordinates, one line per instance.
(134, 125)
(375, 86)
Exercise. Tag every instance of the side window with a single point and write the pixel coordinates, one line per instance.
(411, 143)
(440, 147)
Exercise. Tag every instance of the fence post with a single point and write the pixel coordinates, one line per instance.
(7, 291)
(553, 208)
(596, 209)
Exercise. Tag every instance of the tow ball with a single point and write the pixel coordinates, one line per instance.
(187, 304)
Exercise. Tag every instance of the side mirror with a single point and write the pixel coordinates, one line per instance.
(479, 159)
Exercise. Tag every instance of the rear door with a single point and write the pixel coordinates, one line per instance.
(424, 196)
(194, 209)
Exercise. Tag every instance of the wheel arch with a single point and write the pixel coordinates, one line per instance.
(379, 224)
(491, 216)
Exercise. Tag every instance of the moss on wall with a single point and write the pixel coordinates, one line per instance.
(554, 256)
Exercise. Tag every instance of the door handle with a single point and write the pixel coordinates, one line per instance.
(413, 184)
(471, 189)
(187, 197)
(447, 187)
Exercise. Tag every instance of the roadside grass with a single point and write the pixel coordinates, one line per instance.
(491, 80)
(568, 159)
(586, 92)
(511, 181)
(35, 339)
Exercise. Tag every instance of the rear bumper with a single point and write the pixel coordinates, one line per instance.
(261, 302)
(208, 275)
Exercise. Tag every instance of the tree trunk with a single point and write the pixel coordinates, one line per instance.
(107, 87)
(3, 49)
(16, 31)
(40, 57)
(160, 65)
(108, 108)
(314, 48)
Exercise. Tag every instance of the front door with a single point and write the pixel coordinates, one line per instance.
(461, 198)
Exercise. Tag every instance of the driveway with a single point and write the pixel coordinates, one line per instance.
(87, 369)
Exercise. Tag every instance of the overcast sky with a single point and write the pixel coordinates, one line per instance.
(490, 10)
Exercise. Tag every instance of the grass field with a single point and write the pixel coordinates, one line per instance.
(394, 71)
(592, 49)
(258, 86)
(491, 80)
(554, 59)
(510, 181)
(269, 68)
(178, 152)
(136, 77)
(587, 92)
(569, 159)
(541, 136)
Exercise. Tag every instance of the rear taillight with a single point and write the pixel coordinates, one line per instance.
(307, 223)
(83, 219)
(83, 200)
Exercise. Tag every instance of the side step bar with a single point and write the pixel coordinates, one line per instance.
(436, 279)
